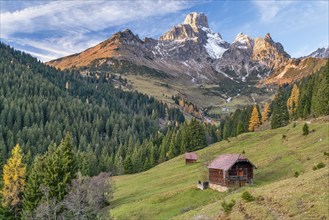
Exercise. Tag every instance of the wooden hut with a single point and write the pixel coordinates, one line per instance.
(230, 170)
(191, 157)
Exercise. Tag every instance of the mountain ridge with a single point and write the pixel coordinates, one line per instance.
(196, 62)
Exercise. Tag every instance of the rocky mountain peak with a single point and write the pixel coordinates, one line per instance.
(320, 53)
(127, 35)
(268, 37)
(242, 38)
(192, 28)
(196, 20)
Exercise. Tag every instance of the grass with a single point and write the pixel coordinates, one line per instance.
(205, 95)
(169, 189)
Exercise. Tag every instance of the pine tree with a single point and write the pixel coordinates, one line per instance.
(60, 169)
(128, 165)
(266, 112)
(254, 119)
(196, 135)
(320, 96)
(280, 115)
(32, 194)
(305, 129)
(292, 102)
(13, 181)
(225, 131)
(2, 158)
(239, 128)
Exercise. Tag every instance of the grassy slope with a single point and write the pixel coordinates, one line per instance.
(169, 190)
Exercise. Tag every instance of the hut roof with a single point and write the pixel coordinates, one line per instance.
(191, 156)
(226, 161)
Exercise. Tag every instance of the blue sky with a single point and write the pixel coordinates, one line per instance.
(52, 29)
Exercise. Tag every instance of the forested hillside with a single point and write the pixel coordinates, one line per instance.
(111, 130)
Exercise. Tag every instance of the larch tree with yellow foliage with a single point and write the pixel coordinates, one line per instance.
(14, 172)
(292, 102)
(266, 112)
(254, 119)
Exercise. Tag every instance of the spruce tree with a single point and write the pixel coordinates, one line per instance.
(280, 115)
(60, 169)
(320, 96)
(239, 129)
(305, 129)
(128, 166)
(32, 194)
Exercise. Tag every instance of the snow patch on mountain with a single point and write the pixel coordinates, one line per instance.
(213, 45)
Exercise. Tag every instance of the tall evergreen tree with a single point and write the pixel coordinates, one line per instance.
(60, 169)
(320, 96)
(32, 194)
(280, 115)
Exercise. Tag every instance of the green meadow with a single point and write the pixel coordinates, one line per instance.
(168, 191)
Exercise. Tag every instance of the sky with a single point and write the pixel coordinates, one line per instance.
(53, 29)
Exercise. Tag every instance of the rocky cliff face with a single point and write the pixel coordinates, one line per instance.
(192, 52)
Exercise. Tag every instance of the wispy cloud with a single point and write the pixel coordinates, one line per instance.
(270, 9)
(59, 28)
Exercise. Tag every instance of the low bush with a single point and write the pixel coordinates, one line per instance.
(228, 206)
(320, 165)
(247, 196)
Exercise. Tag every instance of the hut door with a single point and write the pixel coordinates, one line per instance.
(240, 172)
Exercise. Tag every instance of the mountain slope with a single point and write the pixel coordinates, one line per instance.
(169, 190)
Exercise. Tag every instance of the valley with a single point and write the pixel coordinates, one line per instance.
(125, 110)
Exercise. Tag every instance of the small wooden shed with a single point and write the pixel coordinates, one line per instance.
(230, 170)
(191, 157)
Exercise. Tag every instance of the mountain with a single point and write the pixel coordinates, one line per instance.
(320, 53)
(191, 49)
(176, 196)
(193, 62)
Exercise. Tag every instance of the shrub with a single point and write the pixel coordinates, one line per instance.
(243, 152)
(315, 168)
(296, 174)
(320, 165)
(247, 196)
(284, 136)
(294, 124)
(228, 206)
(305, 129)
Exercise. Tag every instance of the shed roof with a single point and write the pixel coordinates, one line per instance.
(226, 161)
(191, 156)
